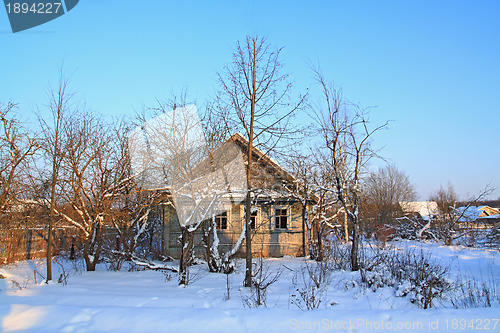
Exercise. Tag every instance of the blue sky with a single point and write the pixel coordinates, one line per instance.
(431, 67)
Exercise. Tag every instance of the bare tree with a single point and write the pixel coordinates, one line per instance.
(195, 171)
(328, 216)
(93, 174)
(255, 96)
(217, 130)
(383, 191)
(347, 138)
(59, 106)
(304, 189)
(311, 188)
(446, 199)
(16, 145)
(172, 153)
(133, 205)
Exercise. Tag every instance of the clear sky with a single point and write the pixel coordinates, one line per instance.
(432, 67)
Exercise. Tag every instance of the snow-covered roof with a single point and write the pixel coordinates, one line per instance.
(424, 208)
(467, 214)
(472, 213)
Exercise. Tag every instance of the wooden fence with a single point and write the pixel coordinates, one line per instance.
(24, 244)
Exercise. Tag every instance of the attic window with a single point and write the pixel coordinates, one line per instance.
(280, 218)
(221, 220)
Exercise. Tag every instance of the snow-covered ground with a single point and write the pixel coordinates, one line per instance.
(151, 301)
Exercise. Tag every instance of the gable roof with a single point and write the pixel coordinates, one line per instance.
(270, 165)
(261, 157)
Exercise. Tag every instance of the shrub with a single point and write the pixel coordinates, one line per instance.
(338, 255)
(310, 285)
(262, 279)
(473, 294)
(410, 273)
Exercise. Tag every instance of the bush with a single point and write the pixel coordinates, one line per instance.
(410, 273)
(262, 279)
(310, 285)
(338, 255)
(474, 294)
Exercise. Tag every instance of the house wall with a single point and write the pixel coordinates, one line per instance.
(267, 240)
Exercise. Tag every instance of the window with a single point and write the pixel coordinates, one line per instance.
(221, 220)
(280, 218)
(253, 219)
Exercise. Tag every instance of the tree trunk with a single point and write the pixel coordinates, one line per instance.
(92, 248)
(90, 260)
(319, 244)
(212, 258)
(49, 247)
(186, 253)
(355, 246)
(346, 228)
(248, 239)
(304, 211)
(52, 202)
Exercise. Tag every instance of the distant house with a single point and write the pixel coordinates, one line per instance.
(276, 220)
(424, 210)
(478, 214)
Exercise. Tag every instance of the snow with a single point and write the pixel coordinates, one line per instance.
(424, 208)
(468, 213)
(151, 301)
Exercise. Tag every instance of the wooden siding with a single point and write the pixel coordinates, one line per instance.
(267, 240)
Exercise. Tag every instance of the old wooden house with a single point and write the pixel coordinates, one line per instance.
(277, 218)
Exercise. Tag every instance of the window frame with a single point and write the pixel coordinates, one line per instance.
(256, 219)
(258, 216)
(280, 216)
(219, 217)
